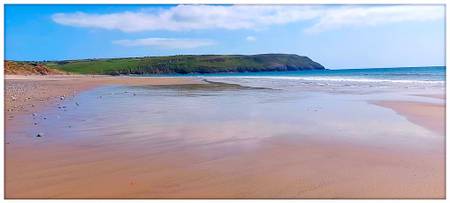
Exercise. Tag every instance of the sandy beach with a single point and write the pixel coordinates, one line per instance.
(25, 94)
(428, 115)
(193, 159)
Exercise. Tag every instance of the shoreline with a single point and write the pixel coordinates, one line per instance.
(30, 93)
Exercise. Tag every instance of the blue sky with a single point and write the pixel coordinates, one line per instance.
(337, 36)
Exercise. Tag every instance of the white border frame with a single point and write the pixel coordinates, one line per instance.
(214, 2)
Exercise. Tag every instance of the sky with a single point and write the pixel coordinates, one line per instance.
(336, 36)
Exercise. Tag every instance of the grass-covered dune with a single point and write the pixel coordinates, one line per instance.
(184, 64)
(29, 68)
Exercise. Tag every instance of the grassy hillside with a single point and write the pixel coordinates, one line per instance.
(188, 64)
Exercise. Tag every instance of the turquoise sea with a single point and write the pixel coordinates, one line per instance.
(434, 74)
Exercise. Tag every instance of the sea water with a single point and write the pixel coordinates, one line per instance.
(434, 74)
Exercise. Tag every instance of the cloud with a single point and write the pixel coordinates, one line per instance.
(188, 17)
(196, 17)
(351, 16)
(250, 38)
(167, 43)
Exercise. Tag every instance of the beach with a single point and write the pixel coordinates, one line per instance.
(26, 93)
(182, 137)
(428, 115)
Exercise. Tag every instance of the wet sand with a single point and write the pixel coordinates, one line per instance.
(27, 94)
(430, 116)
(272, 168)
(210, 162)
(437, 96)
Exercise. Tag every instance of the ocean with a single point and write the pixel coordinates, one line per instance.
(434, 74)
(407, 77)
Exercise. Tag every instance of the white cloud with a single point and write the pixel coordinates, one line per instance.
(250, 38)
(194, 17)
(167, 43)
(375, 15)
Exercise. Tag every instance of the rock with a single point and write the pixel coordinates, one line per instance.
(40, 135)
(34, 114)
(134, 94)
(61, 97)
(35, 123)
(76, 103)
(13, 98)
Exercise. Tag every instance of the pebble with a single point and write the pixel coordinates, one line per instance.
(76, 103)
(40, 135)
(35, 123)
(61, 98)
(34, 114)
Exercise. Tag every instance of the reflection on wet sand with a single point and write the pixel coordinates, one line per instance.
(153, 142)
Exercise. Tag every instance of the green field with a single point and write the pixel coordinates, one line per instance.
(183, 64)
